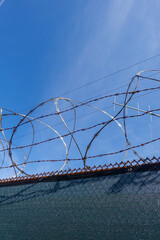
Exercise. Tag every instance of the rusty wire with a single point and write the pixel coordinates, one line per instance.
(128, 95)
(72, 108)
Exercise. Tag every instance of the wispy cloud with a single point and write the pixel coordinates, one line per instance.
(101, 29)
(1, 2)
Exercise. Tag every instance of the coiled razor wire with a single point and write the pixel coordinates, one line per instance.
(9, 146)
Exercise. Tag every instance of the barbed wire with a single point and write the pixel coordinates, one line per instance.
(24, 119)
(89, 157)
(84, 129)
(72, 108)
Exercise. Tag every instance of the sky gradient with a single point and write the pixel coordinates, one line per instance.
(48, 48)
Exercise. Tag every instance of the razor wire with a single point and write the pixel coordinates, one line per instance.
(9, 145)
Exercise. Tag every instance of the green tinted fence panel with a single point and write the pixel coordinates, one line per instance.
(115, 207)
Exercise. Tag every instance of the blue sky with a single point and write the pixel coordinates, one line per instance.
(50, 47)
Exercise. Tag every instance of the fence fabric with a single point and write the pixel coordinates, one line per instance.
(115, 206)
